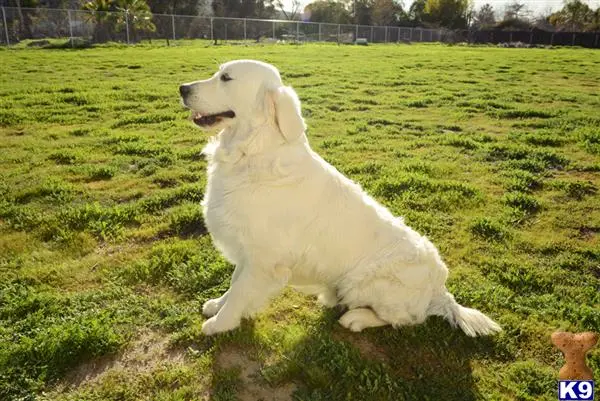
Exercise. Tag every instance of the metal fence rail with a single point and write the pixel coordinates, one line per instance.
(94, 27)
(80, 27)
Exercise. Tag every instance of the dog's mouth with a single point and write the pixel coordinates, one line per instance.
(208, 120)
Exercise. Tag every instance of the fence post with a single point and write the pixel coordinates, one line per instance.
(225, 29)
(420, 34)
(5, 27)
(339, 33)
(273, 30)
(371, 39)
(386, 35)
(127, 24)
(439, 35)
(245, 34)
(212, 33)
(573, 41)
(173, 26)
(356, 36)
(70, 28)
(320, 31)
(297, 31)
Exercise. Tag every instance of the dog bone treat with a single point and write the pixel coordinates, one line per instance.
(574, 347)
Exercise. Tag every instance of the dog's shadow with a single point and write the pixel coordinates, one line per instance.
(431, 361)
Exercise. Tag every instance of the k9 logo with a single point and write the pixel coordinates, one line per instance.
(575, 390)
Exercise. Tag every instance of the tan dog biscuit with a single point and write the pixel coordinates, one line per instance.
(574, 347)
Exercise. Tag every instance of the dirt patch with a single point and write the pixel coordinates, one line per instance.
(145, 354)
(366, 348)
(588, 232)
(254, 387)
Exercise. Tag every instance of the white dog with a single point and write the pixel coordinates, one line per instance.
(284, 216)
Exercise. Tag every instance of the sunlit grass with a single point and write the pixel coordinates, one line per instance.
(492, 153)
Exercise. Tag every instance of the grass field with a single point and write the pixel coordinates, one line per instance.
(105, 262)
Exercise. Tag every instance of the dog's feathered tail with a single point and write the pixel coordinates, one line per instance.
(471, 321)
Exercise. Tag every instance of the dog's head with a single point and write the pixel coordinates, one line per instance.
(244, 92)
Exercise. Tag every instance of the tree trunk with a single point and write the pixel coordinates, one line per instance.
(21, 22)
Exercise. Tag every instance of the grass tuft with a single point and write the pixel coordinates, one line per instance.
(489, 229)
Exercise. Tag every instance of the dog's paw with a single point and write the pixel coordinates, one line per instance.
(352, 321)
(214, 326)
(361, 318)
(211, 307)
(327, 299)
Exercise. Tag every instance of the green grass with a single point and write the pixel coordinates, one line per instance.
(105, 260)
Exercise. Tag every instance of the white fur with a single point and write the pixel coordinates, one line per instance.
(284, 216)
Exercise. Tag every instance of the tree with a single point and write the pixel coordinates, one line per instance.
(594, 24)
(416, 12)
(363, 12)
(138, 16)
(243, 8)
(25, 18)
(542, 20)
(110, 15)
(179, 7)
(516, 11)
(451, 14)
(328, 11)
(386, 12)
(99, 15)
(574, 16)
(292, 14)
(485, 17)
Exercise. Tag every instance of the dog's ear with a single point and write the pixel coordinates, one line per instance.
(287, 114)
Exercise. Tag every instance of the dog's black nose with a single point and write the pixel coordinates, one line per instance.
(185, 90)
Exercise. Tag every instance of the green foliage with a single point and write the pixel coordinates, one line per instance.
(576, 16)
(576, 189)
(447, 13)
(329, 11)
(190, 268)
(522, 202)
(187, 220)
(489, 229)
(65, 157)
(531, 380)
(97, 173)
(245, 9)
(113, 15)
(524, 181)
(590, 139)
(46, 333)
(52, 189)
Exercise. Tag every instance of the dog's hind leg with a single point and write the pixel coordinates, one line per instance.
(361, 318)
(325, 295)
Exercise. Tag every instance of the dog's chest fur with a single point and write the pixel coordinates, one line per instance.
(243, 202)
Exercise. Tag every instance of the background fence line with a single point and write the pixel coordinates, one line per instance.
(82, 27)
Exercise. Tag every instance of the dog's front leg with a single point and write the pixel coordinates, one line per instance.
(248, 293)
(213, 306)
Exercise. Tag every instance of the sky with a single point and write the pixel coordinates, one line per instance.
(535, 6)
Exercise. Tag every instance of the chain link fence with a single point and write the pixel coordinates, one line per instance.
(80, 28)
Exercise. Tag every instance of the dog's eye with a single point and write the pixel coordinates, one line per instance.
(225, 77)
